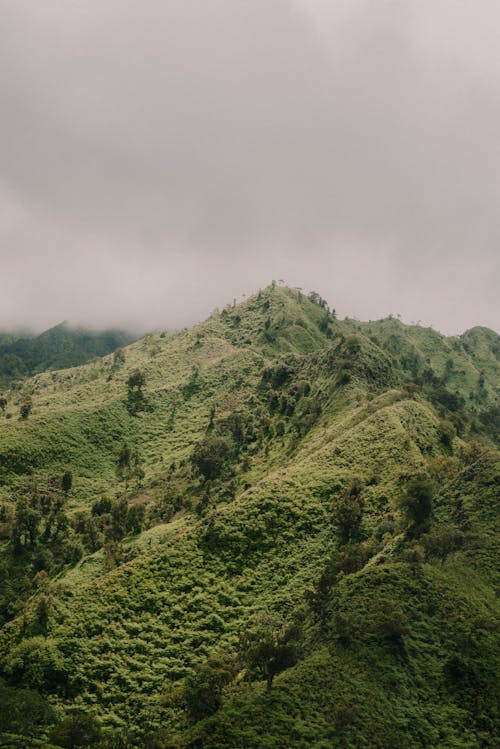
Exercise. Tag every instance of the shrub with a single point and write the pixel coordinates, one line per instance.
(26, 407)
(210, 456)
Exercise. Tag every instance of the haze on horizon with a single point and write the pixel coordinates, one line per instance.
(159, 158)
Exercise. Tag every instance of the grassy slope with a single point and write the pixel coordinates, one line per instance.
(128, 633)
(476, 351)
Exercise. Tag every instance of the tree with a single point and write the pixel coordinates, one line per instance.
(211, 418)
(3, 403)
(102, 506)
(43, 608)
(270, 647)
(135, 397)
(442, 542)
(210, 455)
(119, 513)
(135, 518)
(136, 380)
(447, 432)
(280, 429)
(37, 663)
(67, 481)
(26, 528)
(128, 464)
(78, 729)
(26, 407)
(193, 384)
(348, 510)
(23, 712)
(203, 688)
(416, 504)
(114, 555)
(119, 357)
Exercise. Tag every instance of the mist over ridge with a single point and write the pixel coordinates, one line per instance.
(160, 159)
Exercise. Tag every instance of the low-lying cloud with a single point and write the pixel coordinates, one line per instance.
(159, 158)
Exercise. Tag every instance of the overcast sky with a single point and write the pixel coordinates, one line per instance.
(158, 158)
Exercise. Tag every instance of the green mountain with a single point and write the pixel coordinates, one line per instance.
(277, 529)
(22, 355)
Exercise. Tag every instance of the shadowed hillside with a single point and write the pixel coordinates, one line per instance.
(276, 529)
(57, 348)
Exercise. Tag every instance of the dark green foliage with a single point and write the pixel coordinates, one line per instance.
(447, 433)
(26, 528)
(102, 506)
(347, 510)
(446, 401)
(23, 711)
(278, 375)
(89, 530)
(442, 542)
(124, 519)
(416, 504)
(490, 420)
(67, 481)
(343, 562)
(210, 456)
(128, 464)
(57, 348)
(26, 407)
(135, 519)
(136, 400)
(119, 515)
(204, 688)
(268, 647)
(136, 380)
(36, 663)
(77, 730)
(344, 377)
(193, 384)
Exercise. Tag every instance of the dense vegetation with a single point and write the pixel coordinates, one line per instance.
(274, 530)
(22, 355)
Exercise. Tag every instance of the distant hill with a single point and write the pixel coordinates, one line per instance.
(57, 348)
(275, 530)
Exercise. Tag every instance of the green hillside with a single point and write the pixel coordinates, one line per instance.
(22, 355)
(277, 529)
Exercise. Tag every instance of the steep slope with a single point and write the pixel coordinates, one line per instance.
(458, 374)
(243, 436)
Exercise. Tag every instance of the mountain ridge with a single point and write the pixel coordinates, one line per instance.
(61, 346)
(244, 438)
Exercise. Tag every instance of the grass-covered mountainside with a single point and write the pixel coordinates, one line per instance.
(22, 355)
(276, 529)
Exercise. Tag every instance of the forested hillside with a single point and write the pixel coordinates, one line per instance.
(62, 346)
(276, 529)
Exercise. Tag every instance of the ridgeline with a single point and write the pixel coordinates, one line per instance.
(276, 529)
